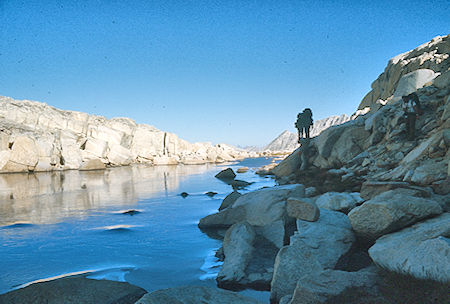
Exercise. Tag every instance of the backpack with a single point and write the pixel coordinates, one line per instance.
(299, 123)
(414, 97)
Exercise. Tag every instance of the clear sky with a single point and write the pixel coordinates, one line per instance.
(219, 71)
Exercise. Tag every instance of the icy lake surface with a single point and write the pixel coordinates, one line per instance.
(56, 224)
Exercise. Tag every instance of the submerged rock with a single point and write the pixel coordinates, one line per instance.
(242, 170)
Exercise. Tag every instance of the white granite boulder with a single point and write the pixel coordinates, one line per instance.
(412, 81)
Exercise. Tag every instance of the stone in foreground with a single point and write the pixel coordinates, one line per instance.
(391, 211)
(195, 295)
(422, 250)
(321, 287)
(75, 290)
(237, 248)
(303, 209)
(316, 246)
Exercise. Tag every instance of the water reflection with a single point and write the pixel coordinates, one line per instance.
(46, 198)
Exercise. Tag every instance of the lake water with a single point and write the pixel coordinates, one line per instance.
(55, 224)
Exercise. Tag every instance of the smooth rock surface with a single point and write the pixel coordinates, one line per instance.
(314, 247)
(229, 200)
(303, 209)
(391, 211)
(75, 290)
(237, 249)
(422, 250)
(336, 201)
(225, 174)
(320, 287)
(195, 295)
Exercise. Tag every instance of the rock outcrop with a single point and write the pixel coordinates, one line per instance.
(367, 168)
(37, 137)
(433, 55)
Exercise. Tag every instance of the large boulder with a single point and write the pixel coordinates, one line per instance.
(264, 209)
(237, 249)
(75, 290)
(288, 165)
(421, 250)
(337, 201)
(323, 286)
(391, 211)
(194, 295)
(314, 247)
(226, 174)
(412, 81)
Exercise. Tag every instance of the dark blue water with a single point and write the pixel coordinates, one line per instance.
(55, 224)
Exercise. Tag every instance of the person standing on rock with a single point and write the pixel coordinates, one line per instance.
(411, 109)
(308, 121)
(304, 123)
(299, 125)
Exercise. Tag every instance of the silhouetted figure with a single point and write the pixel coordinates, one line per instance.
(411, 108)
(304, 153)
(304, 123)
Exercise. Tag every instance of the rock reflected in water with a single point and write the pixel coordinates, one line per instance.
(48, 198)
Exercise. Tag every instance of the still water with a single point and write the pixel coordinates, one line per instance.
(55, 224)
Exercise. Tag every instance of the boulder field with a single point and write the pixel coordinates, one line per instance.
(37, 137)
(357, 205)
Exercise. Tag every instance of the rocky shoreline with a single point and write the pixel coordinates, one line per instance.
(361, 214)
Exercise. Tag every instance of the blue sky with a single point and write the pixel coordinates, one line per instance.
(219, 71)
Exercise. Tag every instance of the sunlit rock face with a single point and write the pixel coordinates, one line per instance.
(37, 137)
(51, 196)
(433, 56)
